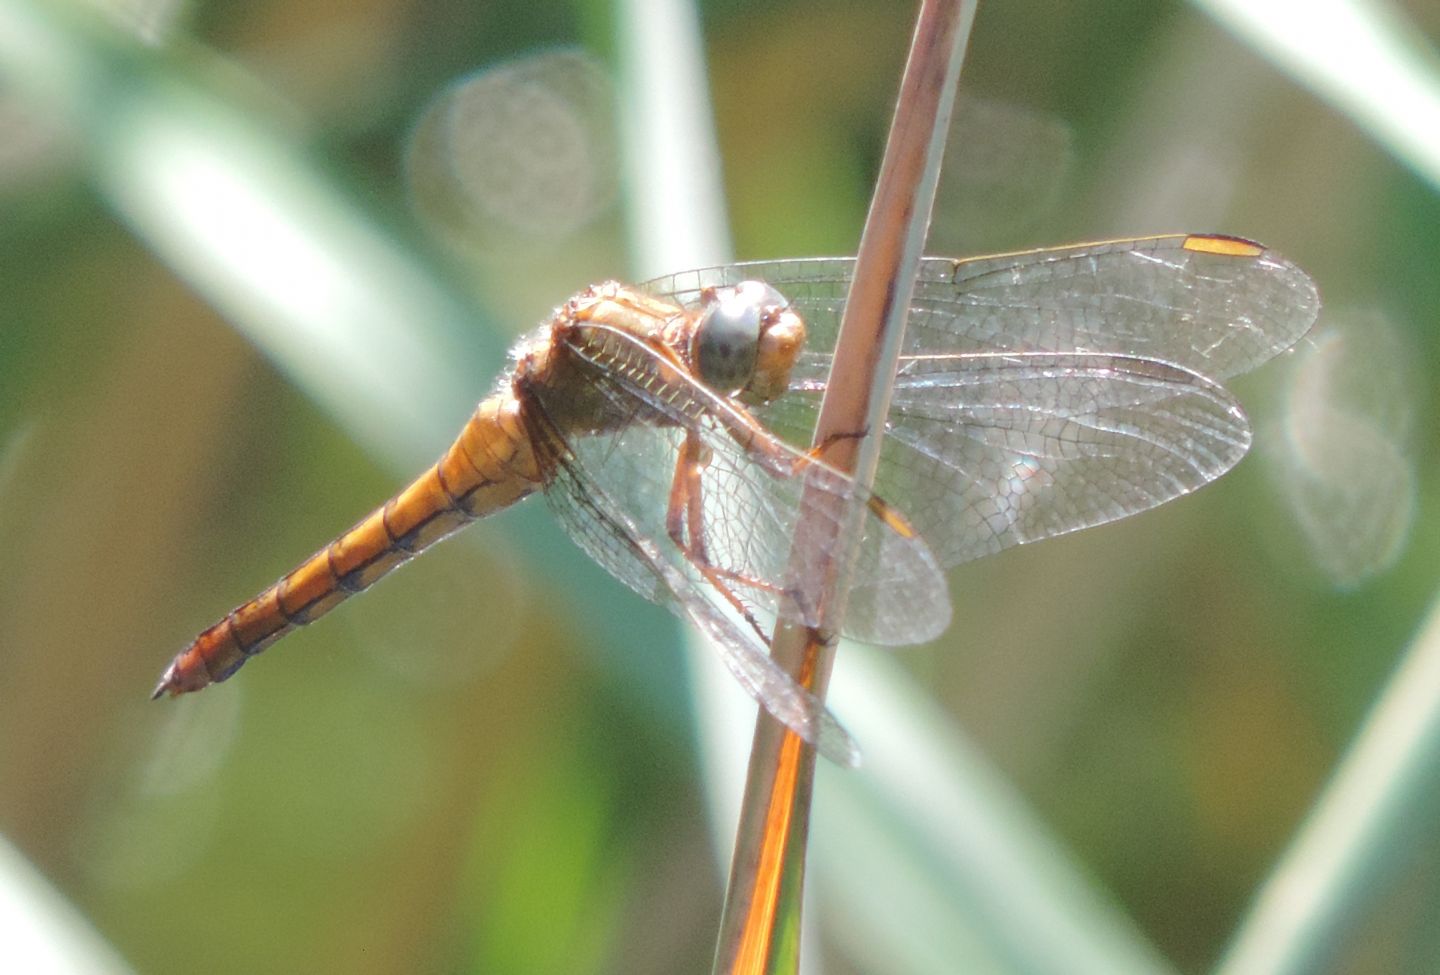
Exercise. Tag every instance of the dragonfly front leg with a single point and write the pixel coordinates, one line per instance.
(819, 451)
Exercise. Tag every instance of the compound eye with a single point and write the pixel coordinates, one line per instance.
(727, 337)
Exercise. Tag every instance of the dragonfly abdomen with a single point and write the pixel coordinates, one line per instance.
(488, 467)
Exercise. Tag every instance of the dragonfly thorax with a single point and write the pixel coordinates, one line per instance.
(745, 340)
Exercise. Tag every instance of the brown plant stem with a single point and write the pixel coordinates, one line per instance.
(760, 927)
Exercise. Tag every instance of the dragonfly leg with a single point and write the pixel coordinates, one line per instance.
(816, 454)
(685, 524)
(818, 451)
(684, 518)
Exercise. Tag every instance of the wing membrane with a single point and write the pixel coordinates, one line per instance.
(1216, 306)
(1000, 450)
(600, 525)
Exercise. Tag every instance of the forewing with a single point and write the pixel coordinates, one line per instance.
(1214, 305)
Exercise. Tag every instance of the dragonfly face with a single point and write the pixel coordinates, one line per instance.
(745, 340)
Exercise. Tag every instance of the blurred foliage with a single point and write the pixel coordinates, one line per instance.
(445, 776)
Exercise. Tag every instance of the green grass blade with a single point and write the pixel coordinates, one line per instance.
(1378, 808)
(1362, 57)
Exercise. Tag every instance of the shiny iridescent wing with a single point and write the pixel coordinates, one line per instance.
(1047, 391)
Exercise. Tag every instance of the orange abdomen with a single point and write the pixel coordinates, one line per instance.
(488, 467)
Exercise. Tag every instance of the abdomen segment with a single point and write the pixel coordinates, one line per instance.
(488, 467)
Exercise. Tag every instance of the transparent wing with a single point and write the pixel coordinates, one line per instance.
(1048, 391)
(1000, 450)
(601, 526)
(1217, 306)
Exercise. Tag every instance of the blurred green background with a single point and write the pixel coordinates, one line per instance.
(468, 769)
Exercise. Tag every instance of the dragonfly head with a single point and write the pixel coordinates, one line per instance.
(746, 341)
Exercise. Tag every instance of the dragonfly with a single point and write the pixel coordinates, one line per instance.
(667, 424)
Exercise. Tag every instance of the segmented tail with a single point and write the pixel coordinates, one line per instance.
(488, 467)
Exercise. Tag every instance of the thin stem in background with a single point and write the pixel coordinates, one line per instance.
(1368, 59)
(240, 210)
(1361, 832)
(760, 928)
